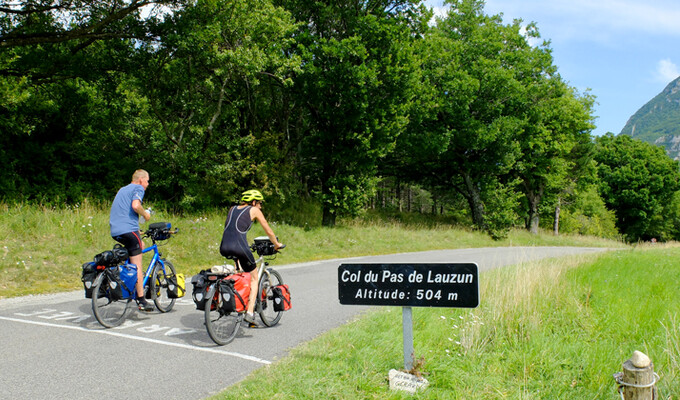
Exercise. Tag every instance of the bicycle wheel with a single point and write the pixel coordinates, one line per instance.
(159, 286)
(107, 310)
(222, 326)
(265, 300)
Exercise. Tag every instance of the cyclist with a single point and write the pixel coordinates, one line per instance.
(124, 222)
(235, 243)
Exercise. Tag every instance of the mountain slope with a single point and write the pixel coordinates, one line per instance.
(658, 121)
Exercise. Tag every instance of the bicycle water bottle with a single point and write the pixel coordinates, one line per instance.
(141, 217)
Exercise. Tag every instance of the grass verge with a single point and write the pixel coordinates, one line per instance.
(555, 329)
(42, 249)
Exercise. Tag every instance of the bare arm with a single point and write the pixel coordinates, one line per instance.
(256, 215)
(139, 209)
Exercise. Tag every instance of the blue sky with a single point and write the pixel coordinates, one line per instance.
(624, 51)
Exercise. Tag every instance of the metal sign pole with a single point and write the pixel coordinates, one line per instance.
(407, 326)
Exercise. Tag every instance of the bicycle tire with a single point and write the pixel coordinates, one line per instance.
(108, 311)
(222, 327)
(159, 286)
(265, 301)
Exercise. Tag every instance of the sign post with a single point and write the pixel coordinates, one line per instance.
(409, 285)
(407, 327)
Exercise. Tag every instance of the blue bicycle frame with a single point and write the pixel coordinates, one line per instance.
(156, 259)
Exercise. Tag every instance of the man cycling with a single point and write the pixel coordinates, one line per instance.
(235, 242)
(124, 222)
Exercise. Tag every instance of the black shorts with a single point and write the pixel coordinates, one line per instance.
(132, 242)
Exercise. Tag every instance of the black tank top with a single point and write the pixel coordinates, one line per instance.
(234, 239)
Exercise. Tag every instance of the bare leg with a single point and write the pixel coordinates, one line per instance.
(137, 260)
(253, 291)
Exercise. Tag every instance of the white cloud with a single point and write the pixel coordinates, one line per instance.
(602, 20)
(440, 11)
(667, 71)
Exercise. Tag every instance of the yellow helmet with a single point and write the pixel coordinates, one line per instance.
(250, 195)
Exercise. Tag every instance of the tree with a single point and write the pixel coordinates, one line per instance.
(40, 22)
(638, 180)
(64, 118)
(212, 84)
(353, 93)
(558, 120)
(480, 71)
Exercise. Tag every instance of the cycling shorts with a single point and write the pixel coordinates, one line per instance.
(132, 242)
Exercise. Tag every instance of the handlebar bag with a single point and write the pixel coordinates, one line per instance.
(88, 276)
(176, 286)
(160, 230)
(199, 291)
(263, 246)
(281, 294)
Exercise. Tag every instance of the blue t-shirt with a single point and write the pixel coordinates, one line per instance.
(123, 219)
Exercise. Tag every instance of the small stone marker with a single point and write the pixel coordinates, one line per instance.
(640, 360)
(400, 380)
(638, 379)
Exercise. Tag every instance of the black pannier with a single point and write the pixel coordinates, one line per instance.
(228, 294)
(88, 276)
(199, 292)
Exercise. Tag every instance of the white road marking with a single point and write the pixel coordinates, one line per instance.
(142, 339)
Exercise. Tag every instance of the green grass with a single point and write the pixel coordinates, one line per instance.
(42, 249)
(556, 329)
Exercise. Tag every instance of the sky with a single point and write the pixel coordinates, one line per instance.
(626, 52)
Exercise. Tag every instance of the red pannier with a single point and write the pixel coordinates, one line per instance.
(235, 290)
(281, 298)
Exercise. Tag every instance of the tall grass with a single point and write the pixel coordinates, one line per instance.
(43, 248)
(555, 329)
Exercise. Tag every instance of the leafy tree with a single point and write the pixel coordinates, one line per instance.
(558, 120)
(62, 110)
(479, 71)
(353, 93)
(638, 180)
(40, 22)
(213, 84)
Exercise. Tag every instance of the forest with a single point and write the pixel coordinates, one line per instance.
(337, 106)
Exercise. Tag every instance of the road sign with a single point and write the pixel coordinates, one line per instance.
(413, 285)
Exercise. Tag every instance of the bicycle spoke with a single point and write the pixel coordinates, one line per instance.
(159, 286)
(222, 327)
(108, 311)
(265, 300)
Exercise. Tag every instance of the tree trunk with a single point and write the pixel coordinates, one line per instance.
(328, 217)
(474, 199)
(556, 221)
(399, 202)
(410, 198)
(534, 199)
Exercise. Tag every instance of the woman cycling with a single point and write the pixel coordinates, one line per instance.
(235, 243)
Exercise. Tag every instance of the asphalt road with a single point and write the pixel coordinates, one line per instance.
(54, 348)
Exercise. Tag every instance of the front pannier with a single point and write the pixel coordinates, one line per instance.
(176, 288)
(281, 295)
